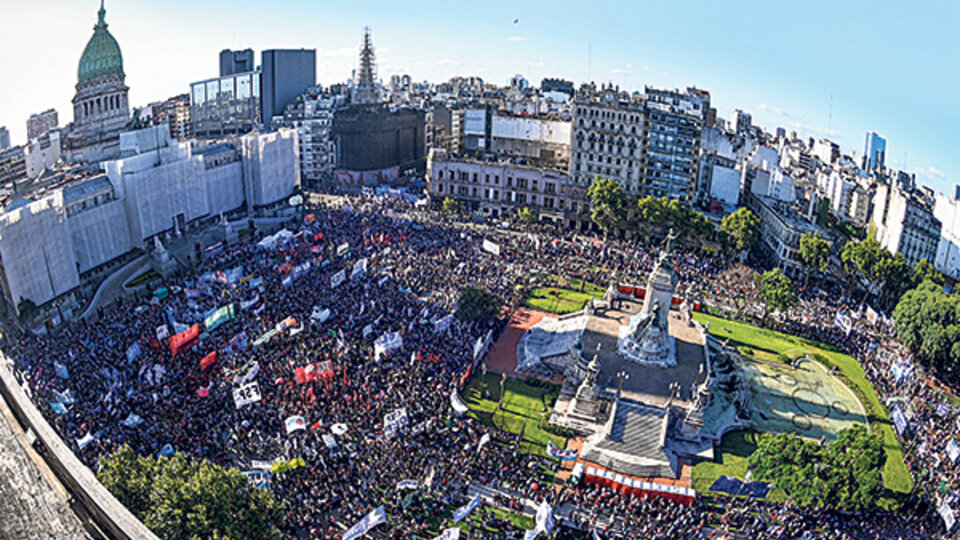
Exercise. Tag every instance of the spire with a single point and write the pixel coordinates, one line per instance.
(367, 75)
(101, 15)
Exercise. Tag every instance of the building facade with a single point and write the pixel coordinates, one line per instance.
(13, 166)
(286, 74)
(225, 106)
(780, 230)
(874, 153)
(40, 123)
(100, 107)
(374, 139)
(42, 153)
(905, 223)
(233, 62)
(650, 144)
(311, 114)
(947, 210)
(4, 138)
(500, 188)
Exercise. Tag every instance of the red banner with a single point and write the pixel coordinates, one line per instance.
(208, 360)
(182, 340)
(311, 372)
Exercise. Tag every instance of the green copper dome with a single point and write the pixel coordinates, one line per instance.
(102, 56)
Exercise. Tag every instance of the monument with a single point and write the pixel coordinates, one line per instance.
(646, 339)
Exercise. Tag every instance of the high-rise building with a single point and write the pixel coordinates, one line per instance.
(13, 165)
(233, 62)
(38, 124)
(874, 153)
(225, 105)
(4, 138)
(741, 122)
(312, 116)
(100, 107)
(905, 223)
(287, 73)
(649, 144)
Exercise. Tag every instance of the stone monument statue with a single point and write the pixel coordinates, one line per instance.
(646, 339)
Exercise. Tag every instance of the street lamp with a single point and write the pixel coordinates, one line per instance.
(622, 377)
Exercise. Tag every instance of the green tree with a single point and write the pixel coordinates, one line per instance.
(924, 271)
(845, 475)
(477, 305)
(814, 253)
(25, 309)
(740, 230)
(661, 213)
(776, 291)
(180, 499)
(450, 205)
(526, 214)
(607, 203)
(927, 320)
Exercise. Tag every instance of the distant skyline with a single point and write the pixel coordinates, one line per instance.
(833, 69)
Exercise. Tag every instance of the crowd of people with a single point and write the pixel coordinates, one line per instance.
(117, 381)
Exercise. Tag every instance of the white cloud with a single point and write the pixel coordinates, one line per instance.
(929, 172)
(773, 110)
(620, 71)
(813, 129)
(516, 38)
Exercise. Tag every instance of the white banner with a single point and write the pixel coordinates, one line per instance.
(453, 533)
(394, 422)
(359, 268)
(953, 450)
(343, 248)
(294, 423)
(163, 331)
(948, 517)
(465, 510)
(246, 394)
(455, 402)
(408, 484)
(444, 324)
(133, 351)
(364, 526)
(319, 314)
(250, 374)
(491, 247)
(386, 343)
(338, 278)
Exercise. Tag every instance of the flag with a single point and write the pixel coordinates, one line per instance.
(132, 420)
(208, 360)
(85, 440)
(295, 423)
(374, 518)
(192, 293)
(563, 455)
(251, 373)
(219, 317)
(166, 451)
(183, 339)
(133, 351)
(483, 440)
(255, 282)
(453, 533)
(408, 484)
(465, 510)
(203, 391)
(163, 331)
(58, 407)
(457, 405)
(247, 304)
(237, 343)
(61, 370)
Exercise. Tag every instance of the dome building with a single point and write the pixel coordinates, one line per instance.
(100, 107)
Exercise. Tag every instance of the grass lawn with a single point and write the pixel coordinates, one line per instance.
(731, 460)
(784, 347)
(521, 412)
(563, 298)
(474, 523)
(143, 279)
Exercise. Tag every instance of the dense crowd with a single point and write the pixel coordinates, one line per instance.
(118, 382)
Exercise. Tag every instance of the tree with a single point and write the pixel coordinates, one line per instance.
(450, 205)
(740, 229)
(25, 309)
(607, 203)
(526, 214)
(814, 253)
(924, 271)
(928, 323)
(776, 291)
(845, 475)
(662, 213)
(180, 498)
(477, 305)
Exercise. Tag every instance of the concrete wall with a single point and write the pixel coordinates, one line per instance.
(110, 516)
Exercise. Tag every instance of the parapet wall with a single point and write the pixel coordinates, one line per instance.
(109, 515)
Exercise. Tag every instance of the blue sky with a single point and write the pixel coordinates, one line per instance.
(835, 69)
